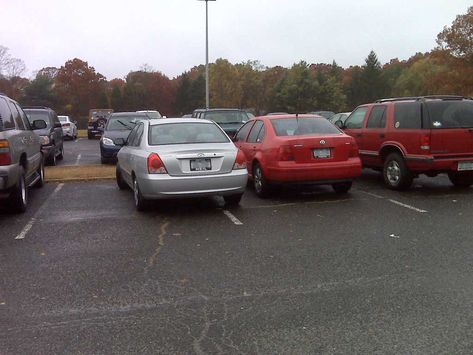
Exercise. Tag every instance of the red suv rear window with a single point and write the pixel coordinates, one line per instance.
(450, 114)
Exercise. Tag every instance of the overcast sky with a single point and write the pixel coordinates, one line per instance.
(118, 36)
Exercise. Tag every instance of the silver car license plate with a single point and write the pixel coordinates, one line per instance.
(202, 164)
(465, 165)
(322, 153)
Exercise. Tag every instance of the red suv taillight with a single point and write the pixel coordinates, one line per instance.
(5, 156)
(425, 142)
(240, 161)
(285, 153)
(156, 165)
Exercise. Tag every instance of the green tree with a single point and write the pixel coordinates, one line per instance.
(116, 99)
(183, 95)
(39, 92)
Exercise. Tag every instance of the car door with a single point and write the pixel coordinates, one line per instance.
(57, 132)
(354, 124)
(242, 134)
(34, 149)
(23, 140)
(124, 155)
(253, 143)
(374, 134)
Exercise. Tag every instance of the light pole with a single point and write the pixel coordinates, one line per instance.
(207, 95)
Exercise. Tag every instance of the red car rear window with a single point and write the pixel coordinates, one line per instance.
(303, 126)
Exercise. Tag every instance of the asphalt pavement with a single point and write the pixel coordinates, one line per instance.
(81, 151)
(373, 271)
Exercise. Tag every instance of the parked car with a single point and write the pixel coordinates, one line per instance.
(187, 115)
(119, 125)
(326, 114)
(97, 120)
(229, 119)
(21, 161)
(181, 157)
(69, 127)
(298, 149)
(342, 116)
(153, 114)
(52, 139)
(197, 112)
(405, 137)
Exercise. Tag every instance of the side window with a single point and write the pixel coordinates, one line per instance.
(254, 132)
(55, 119)
(23, 117)
(16, 116)
(355, 120)
(377, 118)
(261, 134)
(407, 115)
(131, 136)
(243, 132)
(139, 135)
(6, 118)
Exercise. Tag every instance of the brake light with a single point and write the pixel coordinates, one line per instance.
(240, 161)
(5, 156)
(425, 142)
(156, 165)
(285, 153)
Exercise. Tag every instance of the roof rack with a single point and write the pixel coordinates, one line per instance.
(421, 98)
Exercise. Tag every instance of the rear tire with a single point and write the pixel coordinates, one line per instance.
(232, 200)
(61, 153)
(52, 158)
(140, 202)
(122, 185)
(461, 180)
(396, 174)
(19, 194)
(260, 184)
(40, 171)
(342, 187)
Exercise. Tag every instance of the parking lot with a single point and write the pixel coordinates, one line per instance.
(373, 271)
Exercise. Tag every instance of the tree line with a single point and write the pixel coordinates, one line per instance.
(76, 87)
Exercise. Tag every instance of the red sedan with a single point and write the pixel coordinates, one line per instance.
(298, 149)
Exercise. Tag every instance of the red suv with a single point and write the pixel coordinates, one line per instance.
(298, 149)
(405, 137)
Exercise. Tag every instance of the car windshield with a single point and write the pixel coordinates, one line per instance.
(303, 126)
(186, 133)
(450, 114)
(120, 123)
(226, 116)
(63, 118)
(38, 115)
(152, 114)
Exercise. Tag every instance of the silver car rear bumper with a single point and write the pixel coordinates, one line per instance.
(162, 186)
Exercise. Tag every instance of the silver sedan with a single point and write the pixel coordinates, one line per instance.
(175, 157)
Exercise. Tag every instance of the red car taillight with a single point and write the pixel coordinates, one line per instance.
(156, 165)
(240, 161)
(425, 142)
(285, 153)
(5, 156)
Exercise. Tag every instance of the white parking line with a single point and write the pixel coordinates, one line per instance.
(30, 223)
(78, 158)
(371, 194)
(407, 206)
(232, 218)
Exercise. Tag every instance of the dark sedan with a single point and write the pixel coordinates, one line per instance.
(119, 125)
(230, 120)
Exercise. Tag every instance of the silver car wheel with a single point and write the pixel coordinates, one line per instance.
(393, 172)
(23, 190)
(258, 179)
(136, 192)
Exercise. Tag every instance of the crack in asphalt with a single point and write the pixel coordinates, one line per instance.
(152, 258)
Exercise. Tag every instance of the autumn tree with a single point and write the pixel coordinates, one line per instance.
(78, 87)
(458, 38)
(225, 88)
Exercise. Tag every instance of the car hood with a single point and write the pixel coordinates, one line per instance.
(116, 134)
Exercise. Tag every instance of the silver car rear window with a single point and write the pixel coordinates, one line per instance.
(186, 133)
